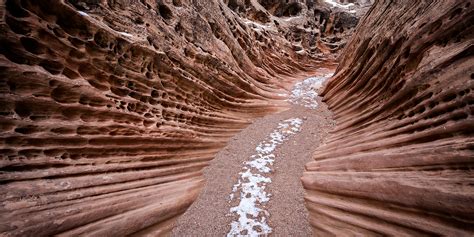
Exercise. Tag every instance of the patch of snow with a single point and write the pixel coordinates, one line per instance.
(103, 25)
(300, 51)
(304, 92)
(83, 13)
(125, 34)
(336, 4)
(256, 24)
(252, 218)
(292, 18)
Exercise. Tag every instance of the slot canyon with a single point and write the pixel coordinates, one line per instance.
(236, 117)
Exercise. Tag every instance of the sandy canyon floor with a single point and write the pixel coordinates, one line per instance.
(253, 185)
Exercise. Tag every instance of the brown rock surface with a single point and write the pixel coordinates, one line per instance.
(400, 159)
(110, 109)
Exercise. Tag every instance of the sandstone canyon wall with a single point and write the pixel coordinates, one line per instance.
(109, 109)
(400, 160)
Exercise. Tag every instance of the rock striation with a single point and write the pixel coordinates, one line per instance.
(109, 109)
(400, 159)
(315, 28)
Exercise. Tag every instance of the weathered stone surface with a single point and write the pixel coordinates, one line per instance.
(109, 109)
(313, 28)
(400, 160)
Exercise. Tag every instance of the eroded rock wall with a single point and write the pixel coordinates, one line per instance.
(313, 28)
(400, 160)
(110, 109)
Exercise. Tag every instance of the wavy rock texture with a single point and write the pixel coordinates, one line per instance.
(109, 109)
(400, 160)
(312, 27)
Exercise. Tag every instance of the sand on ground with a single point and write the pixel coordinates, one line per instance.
(209, 215)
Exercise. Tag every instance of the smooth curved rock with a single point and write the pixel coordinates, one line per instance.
(400, 160)
(109, 109)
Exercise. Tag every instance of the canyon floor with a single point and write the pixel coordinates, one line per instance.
(115, 113)
(210, 215)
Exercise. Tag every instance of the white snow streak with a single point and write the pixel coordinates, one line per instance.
(304, 92)
(105, 26)
(255, 25)
(336, 4)
(300, 51)
(83, 13)
(292, 18)
(252, 218)
(125, 34)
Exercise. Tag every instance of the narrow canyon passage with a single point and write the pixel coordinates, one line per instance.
(117, 115)
(253, 185)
